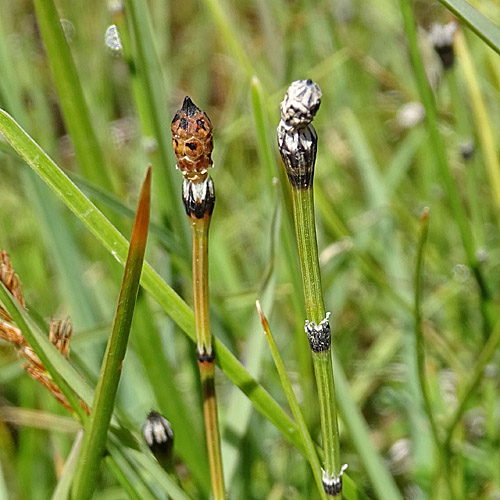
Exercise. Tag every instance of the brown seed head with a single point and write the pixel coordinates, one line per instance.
(11, 280)
(192, 141)
(60, 334)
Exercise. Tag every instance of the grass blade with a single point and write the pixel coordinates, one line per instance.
(484, 128)
(380, 478)
(96, 430)
(294, 405)
(150, 79)
(73, 104)
(477, 22)
(439, 151)
(63, 487)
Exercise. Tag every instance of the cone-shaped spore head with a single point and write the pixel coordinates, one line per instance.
(301, 102)
(159, 436)
(441, 37)
(192, 140)
(297, 139)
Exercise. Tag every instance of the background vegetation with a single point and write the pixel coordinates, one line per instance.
(380, 162)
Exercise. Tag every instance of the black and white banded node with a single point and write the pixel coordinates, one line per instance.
(332, 484)
(198, 197)
(205, 355)
(441, 37)
(319, 336)
(159, 435)
(297, 139)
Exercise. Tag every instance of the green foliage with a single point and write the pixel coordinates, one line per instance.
(379, 163)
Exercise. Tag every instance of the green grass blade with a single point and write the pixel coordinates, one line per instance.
(439, 152)
(164, 235)
(151, 80)
(485, 131)
(124, 479)
(73, 104)
(158, 475)
(63, 487)
(380, 478)
(294, 405)
(477, 22)
(419, 337)
(96, 429)
(226, 29)
(114, 242)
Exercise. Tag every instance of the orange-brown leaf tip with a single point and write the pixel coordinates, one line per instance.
(425, 214)
(263, 319)
(141, 222)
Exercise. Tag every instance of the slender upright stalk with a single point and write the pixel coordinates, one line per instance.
(192, 141)
(96, 428)
(438, 149)
(297, 141)
(419, 337)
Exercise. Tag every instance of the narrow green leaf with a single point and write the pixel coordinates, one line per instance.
(162, 479)
(477, 22)
(381, 480)
(439, 151)
(96, 429)
(419, 337)
(74, 108)
(294, 405)
(69, 380)
(63, 487)
(149, 77)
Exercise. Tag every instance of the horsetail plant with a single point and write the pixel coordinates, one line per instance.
(297, 142)
(159, 436)
(193, 144)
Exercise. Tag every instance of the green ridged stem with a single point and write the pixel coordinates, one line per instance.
(305, 228)
(200, 228)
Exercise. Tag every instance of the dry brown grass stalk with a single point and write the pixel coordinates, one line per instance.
(59, 334)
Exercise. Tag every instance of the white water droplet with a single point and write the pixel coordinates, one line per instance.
(68, 29)
(113, 40)
(115, 6)
(461, 273)
(114, 253)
